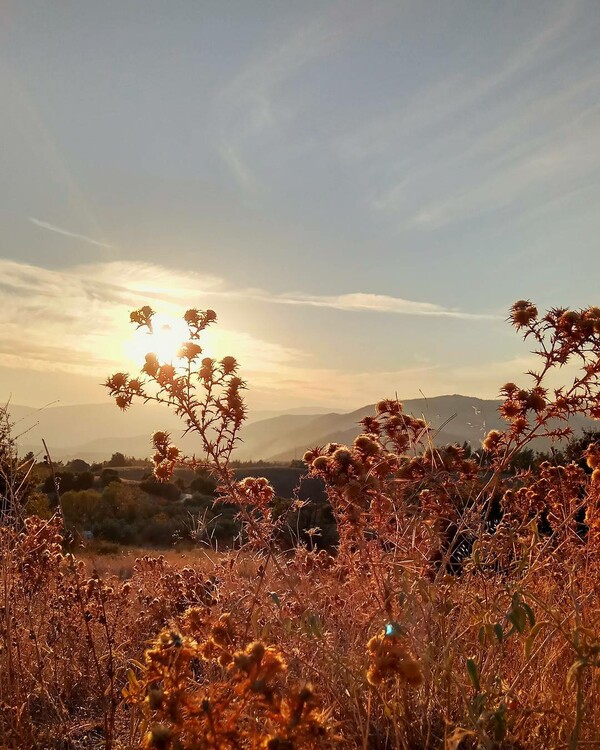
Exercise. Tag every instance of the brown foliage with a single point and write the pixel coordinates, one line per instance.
(461, 607)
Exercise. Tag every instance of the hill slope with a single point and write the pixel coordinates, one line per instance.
(94, 432)
(455, 419)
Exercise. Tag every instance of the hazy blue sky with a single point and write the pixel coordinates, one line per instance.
(360, 189)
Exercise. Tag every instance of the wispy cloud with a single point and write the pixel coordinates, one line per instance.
(261, 99)
(68, 233)
(433, 108)
(253, 104)
(362, 302)
(239, 170)
(487, 140)
(75, 321)
(246, 105)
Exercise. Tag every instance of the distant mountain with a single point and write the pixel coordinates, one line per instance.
(89, 428)
(455, 419)
(96, 431)
(257, 416)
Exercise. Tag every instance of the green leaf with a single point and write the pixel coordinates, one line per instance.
(518, 617)
(529, 641)
(478, 704)
(498, 721)
(275, 598)
(529, 613)
(499, 632)
(254, 622)
(481, 635)
(473, 673)
(287, 624)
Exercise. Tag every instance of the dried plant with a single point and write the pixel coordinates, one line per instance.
(460, 608)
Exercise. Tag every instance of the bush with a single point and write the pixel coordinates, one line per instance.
(81, 508)
(108, 476)
(203, 485)
(160, 531)
(67, 482)
(165, 490)
(78, 466)
(115, 530)
(199, 501)
(118, 460)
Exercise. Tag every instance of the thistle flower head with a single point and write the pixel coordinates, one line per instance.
(592, 456)
(522, 313)
(190, 351)
(492, 440)
(367, 444)
(228, 364)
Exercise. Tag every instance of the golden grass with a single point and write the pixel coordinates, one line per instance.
(460, 609)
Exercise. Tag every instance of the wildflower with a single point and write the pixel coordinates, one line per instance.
(511, 409)
(381, 407)
(160, 439)
(222, 632)
(163, 471)
(151, 365)
(206, 371)
(390, 658)
(173, 453)
(492, 440)
(159, 736)
(520, 424)
(117, 381)
(592, 456)
(190, 351)
(343, 456)
(536, 401)
(192, 317)
(367, 444)
(155, 698)
(166, 374)
(123, 402)
(257, 491)
(568, 319)
(135, 385)
(320, 463)
(143, 316)
(523, 312)
(228, 364)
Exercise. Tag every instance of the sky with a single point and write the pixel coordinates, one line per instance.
(359, 189)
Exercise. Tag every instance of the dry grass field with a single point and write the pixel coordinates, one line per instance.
(459, 609)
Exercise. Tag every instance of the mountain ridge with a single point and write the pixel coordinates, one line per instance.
(96, 431)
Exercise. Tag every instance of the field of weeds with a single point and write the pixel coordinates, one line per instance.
(460, 608)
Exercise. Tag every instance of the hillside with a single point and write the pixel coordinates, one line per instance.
(95, 431)
(458, 419)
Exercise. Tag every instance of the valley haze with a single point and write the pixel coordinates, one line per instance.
(94, 432)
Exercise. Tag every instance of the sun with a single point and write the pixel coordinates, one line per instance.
(165, 340)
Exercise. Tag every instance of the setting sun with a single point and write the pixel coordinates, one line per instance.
(274, 473)
(165, 340)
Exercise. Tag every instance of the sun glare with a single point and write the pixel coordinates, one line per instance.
(168, 334)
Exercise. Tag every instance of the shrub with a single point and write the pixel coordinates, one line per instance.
(108, 476)
(165, 490)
